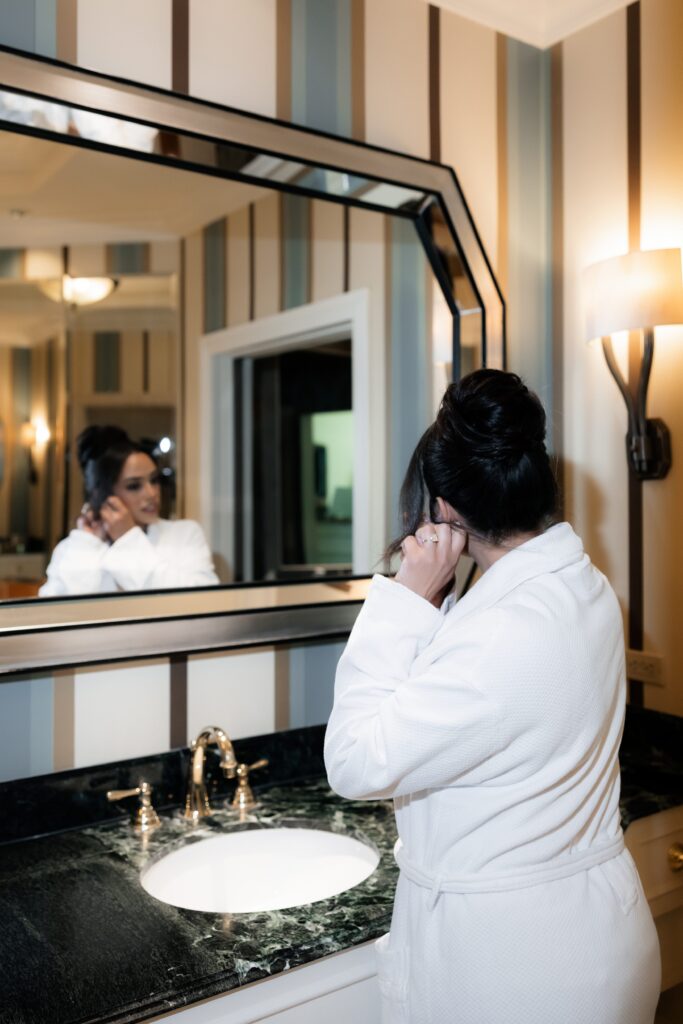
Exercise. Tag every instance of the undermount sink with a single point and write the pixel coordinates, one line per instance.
(259, 869)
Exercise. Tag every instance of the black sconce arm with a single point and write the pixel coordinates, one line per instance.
(648, 442)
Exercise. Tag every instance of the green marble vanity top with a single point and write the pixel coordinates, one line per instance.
(82, 941)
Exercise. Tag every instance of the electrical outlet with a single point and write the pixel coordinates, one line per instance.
(645, 667)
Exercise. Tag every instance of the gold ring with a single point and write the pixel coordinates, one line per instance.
(433, 539)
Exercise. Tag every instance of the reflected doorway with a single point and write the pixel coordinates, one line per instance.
(294, 467)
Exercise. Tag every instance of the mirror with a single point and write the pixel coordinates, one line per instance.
(248, 342)
(264, 254)
(269, 289)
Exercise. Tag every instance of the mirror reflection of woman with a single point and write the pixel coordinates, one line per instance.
(120, 542)
(494, 723)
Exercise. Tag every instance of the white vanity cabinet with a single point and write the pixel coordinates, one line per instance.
(334, 990)
(649, 841)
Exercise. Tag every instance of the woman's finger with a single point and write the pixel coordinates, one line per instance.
(410, 547)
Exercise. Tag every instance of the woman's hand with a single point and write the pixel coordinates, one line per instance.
(116, 518)
(91, 523)
(429, 561)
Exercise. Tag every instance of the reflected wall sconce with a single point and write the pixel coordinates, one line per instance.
(34, 435)
(636, 292)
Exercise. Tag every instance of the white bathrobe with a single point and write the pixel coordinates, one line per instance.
(495, 723)
(170, 554)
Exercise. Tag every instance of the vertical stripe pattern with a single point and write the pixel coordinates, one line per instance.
(283, 46)
(180, 45)
(178, 707)
(502, 158)
(296, 250)
(214, 275)
(410, 373)
(321, 64)
(67, 30)
(358, 69)
(529, 181)
(557, 249)
(434, 83)
(128, 258)
(107, 362)
(635, 485)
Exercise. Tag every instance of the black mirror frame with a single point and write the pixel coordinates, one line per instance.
(103, 628)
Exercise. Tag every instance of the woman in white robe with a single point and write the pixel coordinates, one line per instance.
(494, 722)
(119, 542)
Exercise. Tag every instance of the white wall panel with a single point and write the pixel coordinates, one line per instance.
(596, 227)
(469, 118)
(121, 712)
(662, 225)
(235, 691)
(126, 38)
(397, 75)
(232, 53)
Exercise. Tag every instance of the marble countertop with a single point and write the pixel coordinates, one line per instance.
(81, 941)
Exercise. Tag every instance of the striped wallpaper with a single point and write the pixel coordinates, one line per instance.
(89, 260)
(540, 143)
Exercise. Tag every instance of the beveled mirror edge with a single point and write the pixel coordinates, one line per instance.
(57, 82)
(137, 616)
(50, 614)
(77, 644)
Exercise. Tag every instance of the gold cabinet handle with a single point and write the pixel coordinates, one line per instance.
(675, 856)
(146, 819)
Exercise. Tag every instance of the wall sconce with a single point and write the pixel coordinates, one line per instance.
(34, 436)
(639, 291)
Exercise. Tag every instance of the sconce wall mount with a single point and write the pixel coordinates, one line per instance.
(648, 441)
(636, 292)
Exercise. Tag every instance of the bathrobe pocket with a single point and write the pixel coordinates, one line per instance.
(392, 973)
(622, 877)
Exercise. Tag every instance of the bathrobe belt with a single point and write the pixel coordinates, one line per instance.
(522, 878)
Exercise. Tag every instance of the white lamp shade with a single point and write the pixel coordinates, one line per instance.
(627, 293)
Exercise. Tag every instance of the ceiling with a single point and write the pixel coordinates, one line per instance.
(67, 195)
(539, 22)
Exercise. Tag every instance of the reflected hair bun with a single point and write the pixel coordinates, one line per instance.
(93, 442)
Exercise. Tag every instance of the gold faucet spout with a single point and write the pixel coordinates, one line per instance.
(197, 800)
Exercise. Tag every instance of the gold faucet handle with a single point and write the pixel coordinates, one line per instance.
(675, 857)
(244, 798)
(146, 819)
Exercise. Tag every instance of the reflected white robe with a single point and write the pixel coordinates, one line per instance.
(172, 553)
(495, 724)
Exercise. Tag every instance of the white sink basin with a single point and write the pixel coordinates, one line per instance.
(260, 869)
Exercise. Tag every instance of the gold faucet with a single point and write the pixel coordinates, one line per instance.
(197, 800)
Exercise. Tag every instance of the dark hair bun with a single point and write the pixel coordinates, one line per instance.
(494, 415)
(93, 442)
(485, 455)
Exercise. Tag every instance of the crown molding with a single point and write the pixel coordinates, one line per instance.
(541, 23)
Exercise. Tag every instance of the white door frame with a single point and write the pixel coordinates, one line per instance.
(342, 315)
